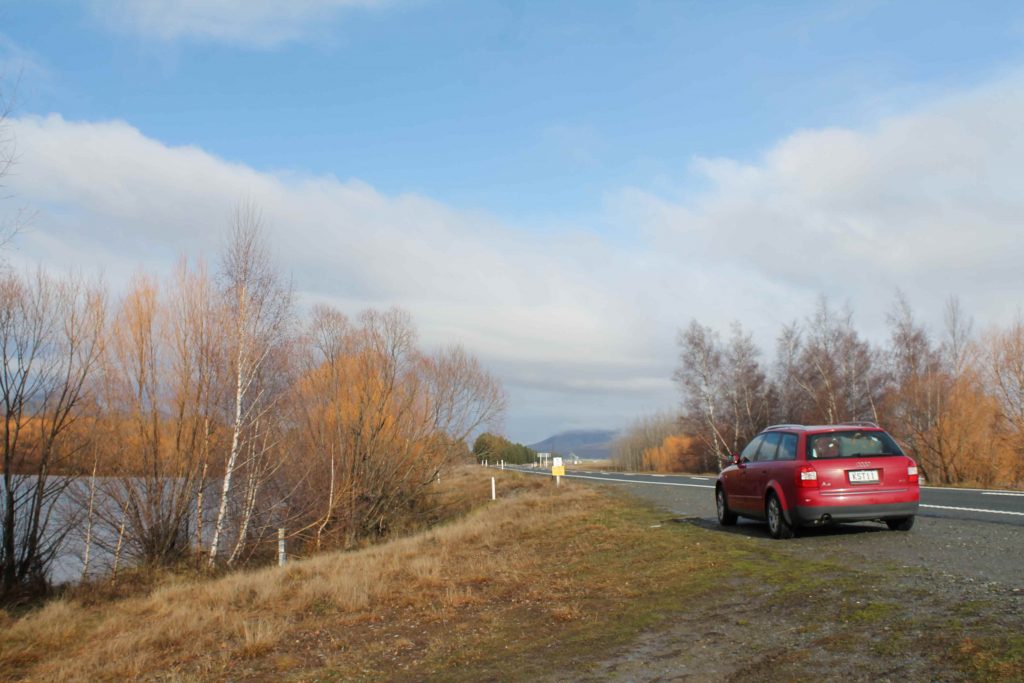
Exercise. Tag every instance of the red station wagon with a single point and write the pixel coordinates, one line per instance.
(795, 475)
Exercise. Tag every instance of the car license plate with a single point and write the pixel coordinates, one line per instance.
(863, 476)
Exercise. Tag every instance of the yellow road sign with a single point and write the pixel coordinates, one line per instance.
(558, 471)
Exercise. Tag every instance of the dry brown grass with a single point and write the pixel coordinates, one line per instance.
(208, 627)
(259, 636)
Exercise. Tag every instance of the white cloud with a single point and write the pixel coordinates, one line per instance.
(929, 202)
(261, 23)
(581, 329)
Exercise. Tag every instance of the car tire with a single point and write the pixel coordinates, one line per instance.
(726, 517)
(901, 524)
(778, 527)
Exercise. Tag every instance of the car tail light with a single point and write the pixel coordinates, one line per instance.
(912, 474)
(807, 477)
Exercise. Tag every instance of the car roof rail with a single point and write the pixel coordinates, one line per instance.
(861, 423)
(784, 426)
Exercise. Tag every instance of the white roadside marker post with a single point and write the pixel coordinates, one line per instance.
(494, 491)
(281, 557)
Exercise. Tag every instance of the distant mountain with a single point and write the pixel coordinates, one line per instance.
(586, 443)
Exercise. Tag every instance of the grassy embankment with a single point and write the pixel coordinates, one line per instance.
(541, 582)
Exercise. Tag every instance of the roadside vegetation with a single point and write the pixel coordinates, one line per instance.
(655, 443)
(187, 419)
(494, 448)
(954, 398)
(540, 584)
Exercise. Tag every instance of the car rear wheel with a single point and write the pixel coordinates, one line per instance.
(778, 527)
(726, 517)
(901, 524)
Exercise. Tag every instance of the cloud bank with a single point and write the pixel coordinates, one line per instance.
(580, 326)
(539, 308)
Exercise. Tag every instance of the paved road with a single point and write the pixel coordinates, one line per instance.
(983, 505)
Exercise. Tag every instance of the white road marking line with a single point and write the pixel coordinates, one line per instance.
(991, 512)
(958, 488)
(1002, 493)
(636, 481)
(701, 478)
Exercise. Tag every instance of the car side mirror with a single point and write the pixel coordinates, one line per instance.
(735, 458)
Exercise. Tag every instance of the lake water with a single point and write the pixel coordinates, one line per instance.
(71, 507)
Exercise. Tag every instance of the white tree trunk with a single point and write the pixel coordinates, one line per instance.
(199, 507)
(330, 506)
(251, 485)
(230, 468)
(88, 528)
(200, 493)
(120, 542)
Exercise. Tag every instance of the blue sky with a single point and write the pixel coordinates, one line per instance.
(604, 142)
(549, 104)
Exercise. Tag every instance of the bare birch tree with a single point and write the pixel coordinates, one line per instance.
(257, 310)
(791, 396)
(834, 368)
(701, 382)
(745, 388)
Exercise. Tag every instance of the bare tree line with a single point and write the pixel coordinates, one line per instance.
(200, 411)
(632, 450)
(953, 397)
(51, 344)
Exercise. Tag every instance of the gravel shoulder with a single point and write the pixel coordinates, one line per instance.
(975, 551)
(873, 605)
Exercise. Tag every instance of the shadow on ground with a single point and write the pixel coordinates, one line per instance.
(755, 529)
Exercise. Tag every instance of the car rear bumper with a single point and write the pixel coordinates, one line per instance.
(820, 514)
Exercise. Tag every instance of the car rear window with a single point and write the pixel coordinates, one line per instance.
(850, 444)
